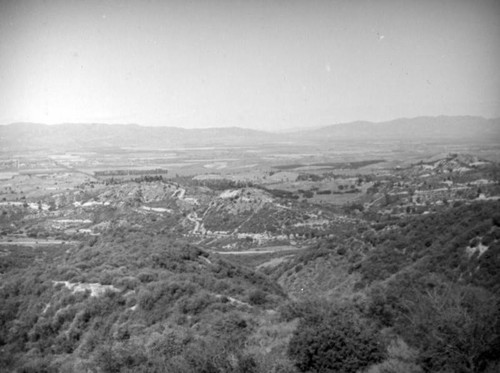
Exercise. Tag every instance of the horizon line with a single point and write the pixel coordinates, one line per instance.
(291, 129)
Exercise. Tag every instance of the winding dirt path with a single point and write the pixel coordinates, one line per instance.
(193, 217)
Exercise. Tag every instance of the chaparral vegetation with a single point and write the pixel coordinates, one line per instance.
(226, 260)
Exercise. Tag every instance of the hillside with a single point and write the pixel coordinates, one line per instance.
(32, 136)
(443, 128)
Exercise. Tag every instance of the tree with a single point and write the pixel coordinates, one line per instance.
(331, 338)
(456, 328)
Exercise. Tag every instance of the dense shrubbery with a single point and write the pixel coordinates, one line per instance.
(430, 290)
(427, 300)
(334, 338)
(221, 184)
(437, 243)
(161, 282)
(454, 327)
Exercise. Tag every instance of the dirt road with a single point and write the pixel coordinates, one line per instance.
(263, 250)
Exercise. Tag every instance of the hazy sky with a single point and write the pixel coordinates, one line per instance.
(260, 64)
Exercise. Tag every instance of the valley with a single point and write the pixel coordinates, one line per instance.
(204, 257)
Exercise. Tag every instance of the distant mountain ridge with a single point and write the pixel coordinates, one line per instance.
(74, 136)
(456, 128)
(81, 136)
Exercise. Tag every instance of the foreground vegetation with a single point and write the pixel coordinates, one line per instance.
(137, 281)
(424, 301)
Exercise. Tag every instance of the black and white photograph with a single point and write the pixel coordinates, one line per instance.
(250, 186)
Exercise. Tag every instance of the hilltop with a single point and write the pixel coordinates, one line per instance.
(433, 129)
(74, 136)
(77, 136)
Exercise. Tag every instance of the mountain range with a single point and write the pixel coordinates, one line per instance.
(72, 136)
(441, 128)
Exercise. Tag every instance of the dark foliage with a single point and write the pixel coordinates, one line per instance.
(437, 243)
(331, 338)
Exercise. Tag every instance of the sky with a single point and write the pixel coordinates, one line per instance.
(267, 64)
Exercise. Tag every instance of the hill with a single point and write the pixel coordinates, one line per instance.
(72, 136)
(442, 128)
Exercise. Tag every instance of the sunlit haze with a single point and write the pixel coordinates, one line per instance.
(259, 64)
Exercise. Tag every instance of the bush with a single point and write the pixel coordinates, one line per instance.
(147, 277)
(196, 303)
(334, 339)
(401, 359)
(119, 358)
(128, 282)
(257, 297)
(456, 328)
(496, 220)
(232, 329)
(488, 239)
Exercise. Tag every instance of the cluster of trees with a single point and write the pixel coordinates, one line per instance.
(310, 177)
(306, 193)
(333, 337)
(149, 179)
(221, 184)
(130, 172)
(453, 327)
(279, 193)
(414, 326)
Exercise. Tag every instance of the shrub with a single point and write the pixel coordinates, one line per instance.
(289, 311)
(257, 297)
(190, 252)
(147, 277)
(231, 329)
(401, 359)
(457, 328)
(488, 239)
(119, 358)
(196, 303)
(146, 300)
(334, 339)
(127, 283)
(247, 364)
